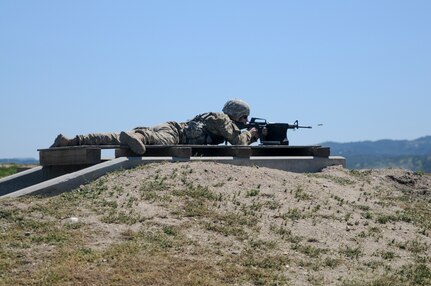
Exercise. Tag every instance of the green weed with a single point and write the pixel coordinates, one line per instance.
(7, 171)
(352, 253)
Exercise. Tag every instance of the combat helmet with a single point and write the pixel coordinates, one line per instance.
(236, 109)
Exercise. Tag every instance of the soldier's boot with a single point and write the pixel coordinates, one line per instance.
(62, 141)
(134, 141)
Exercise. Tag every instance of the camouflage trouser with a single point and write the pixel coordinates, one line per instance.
(168, 133)
(99, 139)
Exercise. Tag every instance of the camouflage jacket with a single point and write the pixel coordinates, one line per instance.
(214, 128)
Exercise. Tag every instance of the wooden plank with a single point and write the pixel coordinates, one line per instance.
(78, 156)
(220, 150)
(180, 152)
(124, 153)
(282, 150)
(84, 147)
(157, 151)
(91, 154)
(241, 152)
(322, 152)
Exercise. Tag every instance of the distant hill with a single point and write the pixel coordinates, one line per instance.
(414, 155)
(19, 161)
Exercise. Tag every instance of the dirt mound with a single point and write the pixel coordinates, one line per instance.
(199, 223)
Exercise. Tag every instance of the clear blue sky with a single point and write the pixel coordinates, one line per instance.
(360, 68)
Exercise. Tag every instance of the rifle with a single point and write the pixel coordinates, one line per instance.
(277, 132)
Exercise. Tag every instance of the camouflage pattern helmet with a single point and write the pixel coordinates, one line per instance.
(236, 109)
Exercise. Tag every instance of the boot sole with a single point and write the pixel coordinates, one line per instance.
(135, 144)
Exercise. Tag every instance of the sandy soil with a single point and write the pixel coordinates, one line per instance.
(334, 227)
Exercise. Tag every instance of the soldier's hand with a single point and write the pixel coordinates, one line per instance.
(254, 133)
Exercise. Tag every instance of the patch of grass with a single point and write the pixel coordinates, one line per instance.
(416, 274)
(399, 216)
(387, 255)
(352, 253)
(413, 274)
(218, 185)
(162, 239)
(339, 200)
(251, 269)
(331, 262)
(252, 193)
(419, 212)
(275, 262)
(10, 215)
(338, 180)
(230, 224)
(280, 230)
(414, 246)
(7, 171)
(367, 215)
(286, 234)
(272, 205)
(194, 208)
(170, 230)
(362, 207)
(260, 244)
(53, 236)
(293, 214)
(122, 264)
(196, 192)
(309, 250)
(253, 209)
(151, 196)
(121, 217)
(300, 194)
(25, 238)
(375, 232)
(89, 192)
(150, 188)
(21, 230)
(374, 264)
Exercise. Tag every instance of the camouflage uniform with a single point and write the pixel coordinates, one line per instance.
(207, 128)
(210, 128)
(214, 128)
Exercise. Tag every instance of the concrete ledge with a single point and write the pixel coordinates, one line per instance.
(67, 182)
(34, 176)
(72, 180)
(21, 180)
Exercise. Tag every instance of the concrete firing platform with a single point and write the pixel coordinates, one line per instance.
(51, 180)
(91, 154)
(65, 168)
